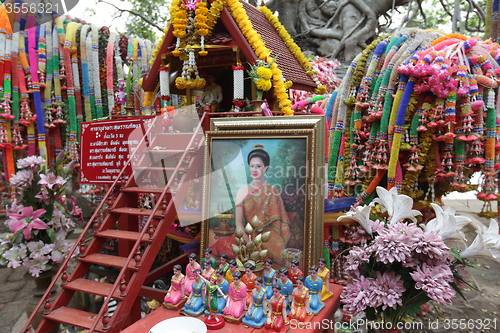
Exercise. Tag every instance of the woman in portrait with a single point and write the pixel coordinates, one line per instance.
(276, 317)
(263, 200)
(195, 302)
(300, 301)
(324, 274)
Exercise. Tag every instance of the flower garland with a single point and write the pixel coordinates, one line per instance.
(263, 53)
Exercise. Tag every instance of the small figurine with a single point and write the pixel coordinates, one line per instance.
(190, 277)
(223, 289)
(236, 300)
(286, 286)
(208, 272)
(314, 283)
(223, 263)
(212, 292)
(232, 269)
(294, 271)
(249, 280)
(196, 300)
(207, 255)
(255, 316)
(176, 291)
(269, 276)
(300, 303)
(276, 317)
(324, 274)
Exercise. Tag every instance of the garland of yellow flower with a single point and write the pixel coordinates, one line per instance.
(262, 52)
(213, 14)
(294, 48)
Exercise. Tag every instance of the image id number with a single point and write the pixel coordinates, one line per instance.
(471, 324)
(33, 8)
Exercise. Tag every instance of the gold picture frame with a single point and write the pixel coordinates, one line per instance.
(296, 172)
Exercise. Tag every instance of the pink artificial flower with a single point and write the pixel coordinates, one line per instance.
(355, 259)
(191, 4)
(37, 264)
(28, 220)
(30, 161)
(22, 179)
(435, 280)
(391, 245)
(43, 196)
(358, 294)
(50, 180)
(15, 255)
(388, 290)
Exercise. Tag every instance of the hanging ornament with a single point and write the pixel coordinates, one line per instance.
(165, 83)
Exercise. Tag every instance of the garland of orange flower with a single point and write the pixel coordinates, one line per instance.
(262, 52)
(294, 48)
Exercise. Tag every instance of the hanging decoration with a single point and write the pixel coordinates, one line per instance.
(425, 119)
(51, 79)
(165, 83)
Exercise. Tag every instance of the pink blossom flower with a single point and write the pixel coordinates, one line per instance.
(435, 280)
(15, 255)
(388, 290)
(51, 181)
(355, 259)
(30, 161)
(191, 4)
(391, 245)
(431, 247)
(27, 221)
(22, 179)
(358, 294)
(37, 264)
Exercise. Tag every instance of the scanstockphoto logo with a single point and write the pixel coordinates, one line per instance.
(42, 11)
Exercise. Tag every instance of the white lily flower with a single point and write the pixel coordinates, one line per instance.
(476, 249)
(446, 223)
(398, 206)
(360, 214)
(491, 238)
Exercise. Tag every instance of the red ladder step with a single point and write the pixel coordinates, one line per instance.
(92, 287)
(137, 211)
(107, 260)
(74, 317)
(123, 234)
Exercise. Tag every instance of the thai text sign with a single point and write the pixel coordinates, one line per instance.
(105, 149)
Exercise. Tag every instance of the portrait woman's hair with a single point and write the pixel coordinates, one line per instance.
(220, 271)
(237, 275)
(284, 271)
(259, 280)
(192, 256)
(313, 268)
(197, 271)
(269, 261)
(224, 256)
(178, 267)
(259, 152)
(300, 278)
(277, 286)
(323, 260)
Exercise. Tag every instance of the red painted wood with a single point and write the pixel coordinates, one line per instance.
(123, 234)
(92, 287)
(326, 315)
(136, 211)
(73, 317)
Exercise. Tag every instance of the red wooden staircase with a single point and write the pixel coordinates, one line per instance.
(162, 166)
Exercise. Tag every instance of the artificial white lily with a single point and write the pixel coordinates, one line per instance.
(360, 214)
(492, 238)
(446, 223)
(476, 249)
(398, 206)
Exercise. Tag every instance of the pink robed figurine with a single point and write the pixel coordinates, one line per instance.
(237, 297)
(176, 290)
(190, 276)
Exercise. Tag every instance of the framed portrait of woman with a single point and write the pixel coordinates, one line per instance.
(267, 182)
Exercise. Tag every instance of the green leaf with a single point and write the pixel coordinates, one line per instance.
(52, 234)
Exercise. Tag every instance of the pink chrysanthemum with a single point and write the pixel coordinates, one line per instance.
(431, 248)
(355, 259)
(358, 294)
(391, 245)
(435, 281)
(30, 161)
(387, 290)
(21, 180)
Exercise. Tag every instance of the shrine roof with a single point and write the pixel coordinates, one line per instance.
(286, 61)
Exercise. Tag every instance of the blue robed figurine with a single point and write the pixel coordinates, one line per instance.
(269, 278)
(286, 287)
(315, 284)
(195, 304)
(255, 316)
